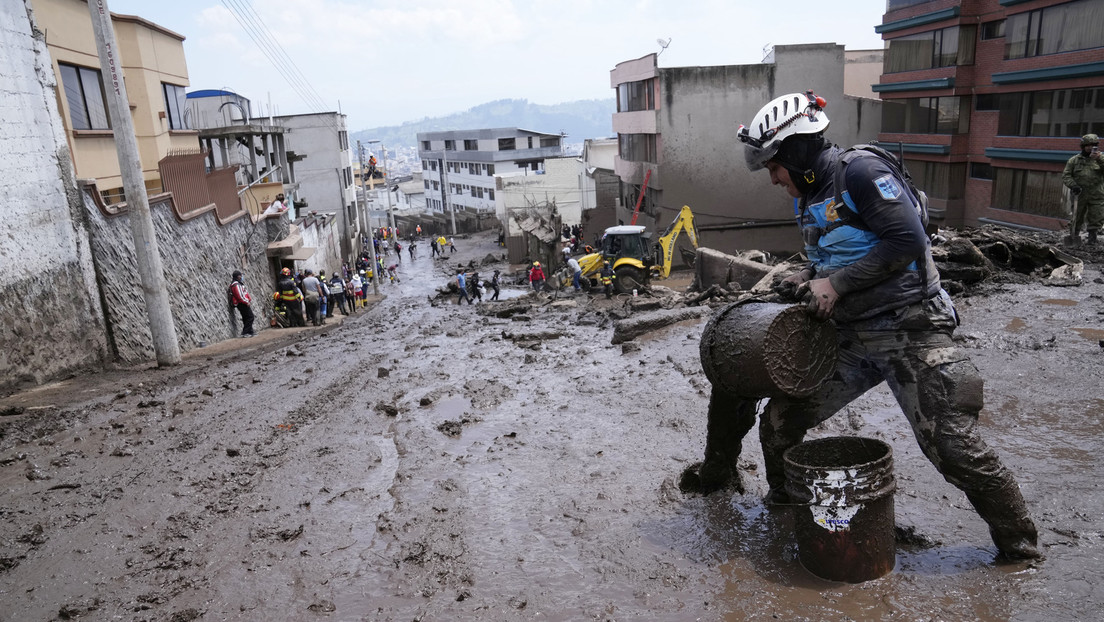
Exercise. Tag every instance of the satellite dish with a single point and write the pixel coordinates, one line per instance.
(663, 43)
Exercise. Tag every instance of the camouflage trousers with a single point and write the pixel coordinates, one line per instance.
(940, 391)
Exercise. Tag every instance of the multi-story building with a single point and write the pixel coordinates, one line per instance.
(319, 143)
(156, 76)
(986, 99)
(677, 127)
(459, 167)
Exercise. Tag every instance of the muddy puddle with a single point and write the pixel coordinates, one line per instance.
(416, 463)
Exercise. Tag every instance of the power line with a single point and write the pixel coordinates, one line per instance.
(280, 61)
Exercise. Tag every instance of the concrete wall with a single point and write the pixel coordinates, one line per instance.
(559, 184)
(323, 234)
(51, 312)
(702, 162)
(198, 256)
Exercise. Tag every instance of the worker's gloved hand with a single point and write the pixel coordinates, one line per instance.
(819, 296)
(1076, 190)
(787, 287)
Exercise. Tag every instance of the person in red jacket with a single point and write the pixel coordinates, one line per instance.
(536, 276)
(240, 298)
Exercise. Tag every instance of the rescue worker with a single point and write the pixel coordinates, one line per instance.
(607, 275)
(536, 277)
(337, 290)
(1084, 176)
(290, 298)
(871, 270)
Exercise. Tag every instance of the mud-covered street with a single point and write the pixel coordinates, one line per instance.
(433, 462)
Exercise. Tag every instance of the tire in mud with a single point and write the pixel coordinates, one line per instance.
(628, 279)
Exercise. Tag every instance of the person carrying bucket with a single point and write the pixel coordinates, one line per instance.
(871, 271)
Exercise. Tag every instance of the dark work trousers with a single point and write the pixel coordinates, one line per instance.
(246, 317)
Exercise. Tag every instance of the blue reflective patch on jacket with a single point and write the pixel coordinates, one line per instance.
(843, 245)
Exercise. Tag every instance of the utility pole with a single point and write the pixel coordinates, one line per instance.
(387, 182)
(152, 274)
(371, 231)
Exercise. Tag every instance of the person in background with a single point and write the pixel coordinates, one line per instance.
(495, 285)
(462, 286)
(536, 277)
(1084, 176)
(325, 308)
(312, 295)
(576, 273)
(476, 287)
(277, 206)
(607, 275)
(239, 298)
(337, 290)
(290, 297)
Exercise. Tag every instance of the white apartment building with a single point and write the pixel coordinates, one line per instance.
(459, 166)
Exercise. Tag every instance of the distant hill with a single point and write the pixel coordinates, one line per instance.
(587, 118)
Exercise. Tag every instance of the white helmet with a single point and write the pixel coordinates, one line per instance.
(789, 115)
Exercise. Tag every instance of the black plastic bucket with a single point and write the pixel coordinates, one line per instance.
(843, 489)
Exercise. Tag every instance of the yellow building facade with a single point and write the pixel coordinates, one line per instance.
(156, 76)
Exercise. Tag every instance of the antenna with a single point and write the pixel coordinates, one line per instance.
(663, 43)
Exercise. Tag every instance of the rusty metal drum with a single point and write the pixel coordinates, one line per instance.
(759, 350)
(842, 488)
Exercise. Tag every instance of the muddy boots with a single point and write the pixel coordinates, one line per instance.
(1009, 525)
(1092, 237)
(730, 419)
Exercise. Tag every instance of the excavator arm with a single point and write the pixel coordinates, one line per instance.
(666, 243)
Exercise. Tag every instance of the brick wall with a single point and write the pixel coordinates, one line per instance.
(974, 80)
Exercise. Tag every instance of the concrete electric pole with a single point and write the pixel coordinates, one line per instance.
(152, 274)
(371, 231)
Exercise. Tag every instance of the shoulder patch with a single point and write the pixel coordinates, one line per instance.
(888, 187)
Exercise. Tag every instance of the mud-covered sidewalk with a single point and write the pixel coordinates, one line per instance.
(427, 461)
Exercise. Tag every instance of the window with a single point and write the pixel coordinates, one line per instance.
(550, 142)
(939, 179)
(1064, 113)
(1062, 28)
(490, 194)
(633, 96)
(84, 93)
(946, 47)
(506, 144)
(981, 170)
(425, 145)
(342, 140)
(637, 147)
(1030, 192)
(490, 169)
(425, 182)
(530, 143)
(925, 115)
(175, 105)
(471, 145)
(436, 186)
(450, 145)
(992, 30)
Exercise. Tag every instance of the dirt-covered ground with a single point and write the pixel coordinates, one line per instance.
(426, 461)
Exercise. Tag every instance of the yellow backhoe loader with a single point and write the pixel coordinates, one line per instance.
(635, 260)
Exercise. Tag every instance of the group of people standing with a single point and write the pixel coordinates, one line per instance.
(472, 288)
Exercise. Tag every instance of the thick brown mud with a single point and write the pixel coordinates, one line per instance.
(428, 462)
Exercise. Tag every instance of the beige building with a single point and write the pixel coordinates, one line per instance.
(156, 76)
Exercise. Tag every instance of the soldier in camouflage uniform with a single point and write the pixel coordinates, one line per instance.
(1084, 176)
(871, 271)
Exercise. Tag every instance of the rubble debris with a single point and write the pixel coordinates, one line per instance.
(712, 267)
(631, 328)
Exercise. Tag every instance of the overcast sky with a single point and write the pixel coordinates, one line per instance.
(389, 61)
